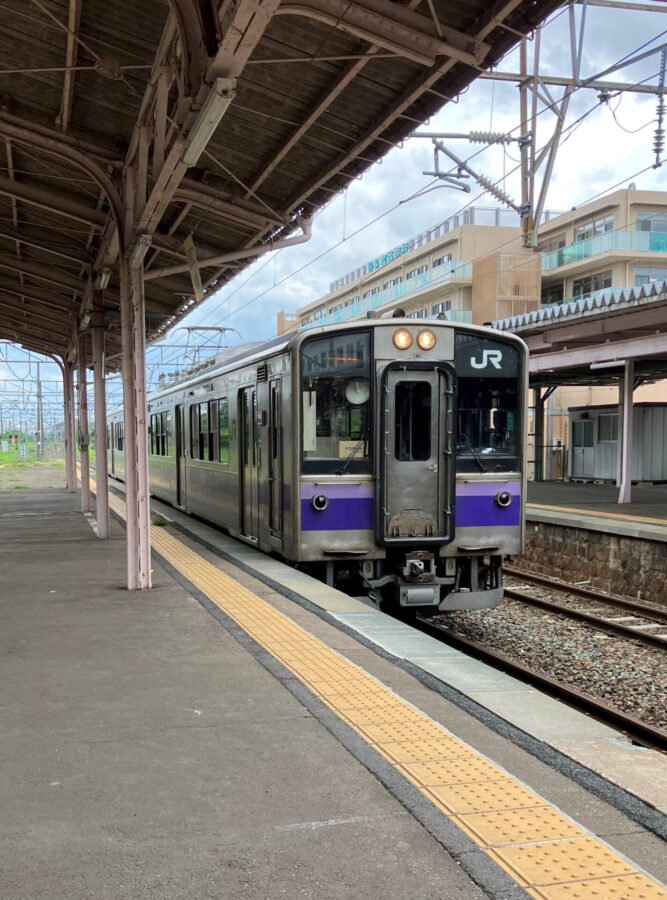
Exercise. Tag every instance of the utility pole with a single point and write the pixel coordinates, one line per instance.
(40, 417)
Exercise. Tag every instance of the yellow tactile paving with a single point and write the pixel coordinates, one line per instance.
(627, 887)
(502, 816)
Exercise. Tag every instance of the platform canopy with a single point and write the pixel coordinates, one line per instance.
(127, 127)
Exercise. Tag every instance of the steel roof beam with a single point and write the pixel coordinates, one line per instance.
(17, 322)
(26, 312)
(70, 61)
(44, 199)
(19, 236)
(41, 271)
(402, 104)
(393, 27)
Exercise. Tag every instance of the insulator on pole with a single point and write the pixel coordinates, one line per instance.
(494, 190)
(488, 137)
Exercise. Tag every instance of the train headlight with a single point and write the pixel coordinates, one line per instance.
(402, 339)
(426, 340)
(503, 499)
(320, 502)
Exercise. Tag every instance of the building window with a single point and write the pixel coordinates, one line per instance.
(651, 220)
(414, 272)
(553, 293)
(645, 275)
(417, 314)
(441, 260)
(608, 427)
(440, 309)
(556, 242)
(392, 282)
(594, 227)
(584, 287)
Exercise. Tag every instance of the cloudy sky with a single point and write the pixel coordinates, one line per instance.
(597, 154)
(609, 145)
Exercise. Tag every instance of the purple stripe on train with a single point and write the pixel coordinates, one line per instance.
(342, 513)
(476, 506)
(351, 507)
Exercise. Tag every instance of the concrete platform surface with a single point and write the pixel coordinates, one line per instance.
(648, 500)
(146, 754)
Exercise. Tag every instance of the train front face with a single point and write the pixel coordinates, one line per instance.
(412, 458)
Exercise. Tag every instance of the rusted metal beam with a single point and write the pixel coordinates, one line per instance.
(198, 35)
(42, 272)
(392, 26)
(47, 200)
(70, 61)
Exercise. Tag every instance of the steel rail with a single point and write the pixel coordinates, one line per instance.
(587, 593)
(625, 631)
(641, 732)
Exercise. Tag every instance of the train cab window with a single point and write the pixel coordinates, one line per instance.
(413, 421)
(336, 404)
(489, 398)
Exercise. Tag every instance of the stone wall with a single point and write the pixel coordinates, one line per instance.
(620, 565)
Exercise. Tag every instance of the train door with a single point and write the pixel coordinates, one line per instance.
(250, 462)
(275, 461)
(180, 456)
(416, 461)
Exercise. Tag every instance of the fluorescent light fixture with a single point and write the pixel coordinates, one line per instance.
(139, 250)
(221, 94)
(103, 280)
(612, 364)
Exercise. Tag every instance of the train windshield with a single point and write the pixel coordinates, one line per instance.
(336, 404)
(489, 391)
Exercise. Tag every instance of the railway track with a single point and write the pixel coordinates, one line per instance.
(639, 731)
(632, 630)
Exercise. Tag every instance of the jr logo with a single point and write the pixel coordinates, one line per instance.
(495, 357)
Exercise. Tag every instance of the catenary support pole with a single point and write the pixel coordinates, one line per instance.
(84, 437)
(102, 491)
(625, 492)
(538, 419)
(70, 427)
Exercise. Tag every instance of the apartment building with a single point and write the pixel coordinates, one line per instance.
(616, 242)
(472, 268)
(427, 275)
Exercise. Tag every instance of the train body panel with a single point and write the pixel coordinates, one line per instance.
(387, 453)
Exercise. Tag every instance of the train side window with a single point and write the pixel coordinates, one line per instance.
(194, 432)
(108, 437)
(167, 432)
(413, 421)
(223, 430)
(203, 431)
(151, 431)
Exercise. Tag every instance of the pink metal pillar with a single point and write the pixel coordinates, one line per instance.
(102, 492)
(625, 492)
(84, 437)
(134, 413)
(70, 428)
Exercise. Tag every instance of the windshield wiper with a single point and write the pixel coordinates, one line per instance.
(475, 455)
(350, 456)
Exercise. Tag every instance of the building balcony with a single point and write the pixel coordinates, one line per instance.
(449, 275)
(630, 242)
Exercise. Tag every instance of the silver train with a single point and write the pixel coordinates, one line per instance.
(385, 455)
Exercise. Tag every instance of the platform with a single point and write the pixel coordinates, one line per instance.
(567, 501)
(252, 733)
